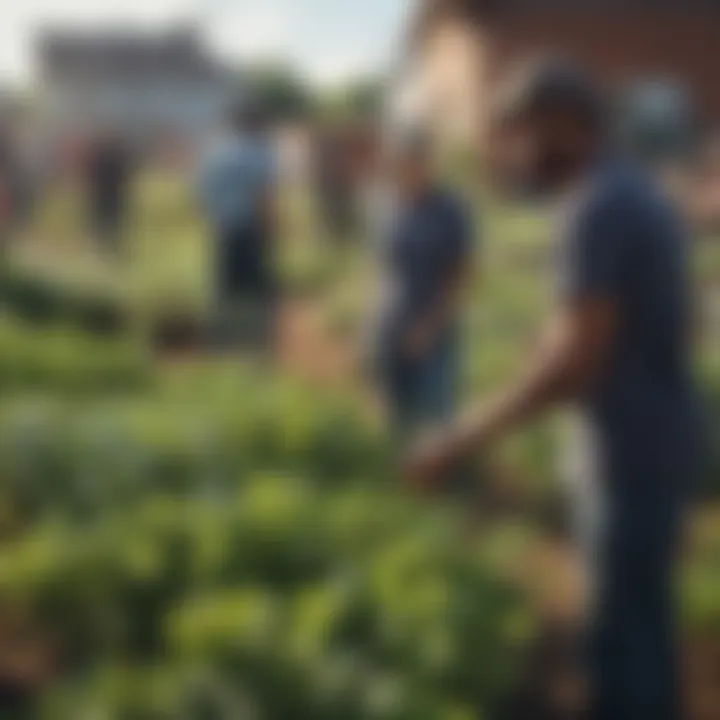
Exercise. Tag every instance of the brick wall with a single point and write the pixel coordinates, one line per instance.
(460, 59)
(622, 44)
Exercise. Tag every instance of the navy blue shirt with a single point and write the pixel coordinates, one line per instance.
(625, 242)
(428, 242)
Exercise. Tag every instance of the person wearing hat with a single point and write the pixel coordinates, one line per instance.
(617, 348)
(426, 255)
(237, 193)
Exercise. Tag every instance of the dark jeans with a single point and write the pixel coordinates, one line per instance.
(634, 661)
(422, 392)
(245, 289)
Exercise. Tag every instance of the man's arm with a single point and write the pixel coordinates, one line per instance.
(570, 359)
(599, 245)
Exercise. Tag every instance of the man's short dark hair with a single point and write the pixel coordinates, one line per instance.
(554, 84)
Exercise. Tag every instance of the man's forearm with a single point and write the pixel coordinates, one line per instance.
(569, 362)
(447, 304)
(517, 404)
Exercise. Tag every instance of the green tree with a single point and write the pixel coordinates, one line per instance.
(280, 90)
(359, 99)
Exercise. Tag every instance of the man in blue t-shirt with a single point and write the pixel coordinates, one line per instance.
(618, 347)
(236, 186)
(426, 255)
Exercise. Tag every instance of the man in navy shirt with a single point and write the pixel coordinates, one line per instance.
(618, 347)
(426, 255)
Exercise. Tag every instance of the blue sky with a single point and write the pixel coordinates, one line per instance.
(329, 40)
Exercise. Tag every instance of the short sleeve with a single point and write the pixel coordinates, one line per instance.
(596, 247)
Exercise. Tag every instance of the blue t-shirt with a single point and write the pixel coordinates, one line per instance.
(624, 241)
(234, 176)
(429, 240)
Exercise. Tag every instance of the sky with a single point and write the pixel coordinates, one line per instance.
(328, 40)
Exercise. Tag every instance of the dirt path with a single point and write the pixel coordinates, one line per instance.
(308, 349)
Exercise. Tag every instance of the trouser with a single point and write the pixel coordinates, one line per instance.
(244, 291)
(422, 393)
(633, 653)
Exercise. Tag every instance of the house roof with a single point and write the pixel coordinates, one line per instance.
(122, 54)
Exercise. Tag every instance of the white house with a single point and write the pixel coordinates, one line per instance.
(144, 86)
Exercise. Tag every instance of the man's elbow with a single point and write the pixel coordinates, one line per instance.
(581, 373)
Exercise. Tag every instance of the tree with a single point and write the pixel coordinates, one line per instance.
(280, 90)
(364, 97)
(360, 99)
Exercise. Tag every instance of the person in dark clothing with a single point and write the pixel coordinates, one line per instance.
(427, 254)
(6, 187)
(13, 186)
(618, 348)
(333, 183)
(108, 177)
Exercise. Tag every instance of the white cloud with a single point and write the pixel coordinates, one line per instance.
(334, 65)
(251, 30)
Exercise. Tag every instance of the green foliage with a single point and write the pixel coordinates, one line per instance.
(43, 301)
(83, 458)
(361, 99)
(341, 604)
(64, 360)
(281, 92)
(701, 580)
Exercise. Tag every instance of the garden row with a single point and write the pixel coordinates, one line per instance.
(278, 601)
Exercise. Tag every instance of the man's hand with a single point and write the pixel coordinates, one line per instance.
(430, 460)
(419, 340)
(567, 363)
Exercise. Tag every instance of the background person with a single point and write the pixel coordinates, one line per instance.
(334, 184)
(426, 257)
(109, 177)
(618, 346)
(237, 190)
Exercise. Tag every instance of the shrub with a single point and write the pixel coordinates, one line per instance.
(43, 301)
(64, 360)
(272, 594)
(198, 438)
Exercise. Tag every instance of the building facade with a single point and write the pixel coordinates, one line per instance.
(147, 88)
(457, 50)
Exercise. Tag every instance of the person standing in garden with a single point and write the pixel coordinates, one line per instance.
(427, 254)
(109, 180)
(618, 348)
(333, 183)
(237, 192)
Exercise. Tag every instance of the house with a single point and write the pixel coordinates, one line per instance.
(148, 88)
(457, 49)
